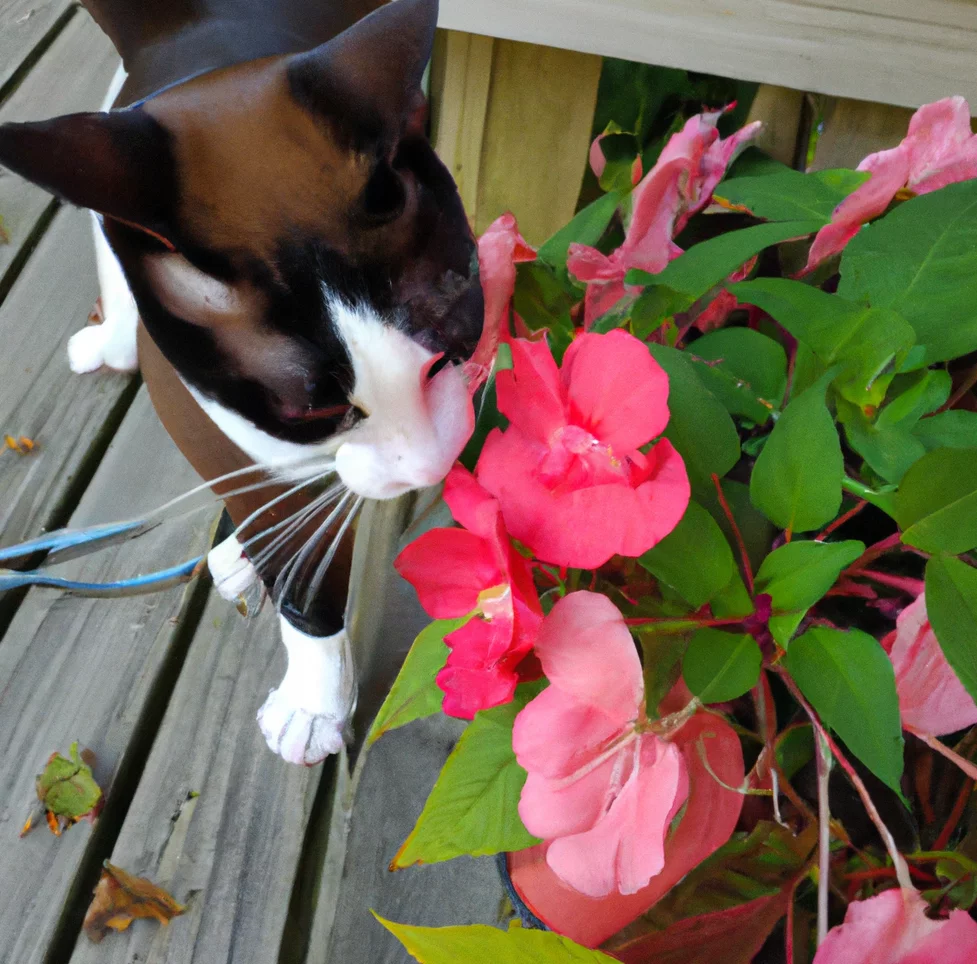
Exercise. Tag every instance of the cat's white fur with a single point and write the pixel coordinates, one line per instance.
(414, 429)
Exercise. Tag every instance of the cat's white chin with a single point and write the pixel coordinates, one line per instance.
(305, 719)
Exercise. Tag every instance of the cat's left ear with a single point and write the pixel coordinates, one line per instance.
(369, 77)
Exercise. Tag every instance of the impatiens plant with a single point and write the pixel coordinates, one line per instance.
(710, 605)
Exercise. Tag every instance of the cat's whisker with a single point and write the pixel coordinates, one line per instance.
(287, 494)
(312, 589)
(286, 577)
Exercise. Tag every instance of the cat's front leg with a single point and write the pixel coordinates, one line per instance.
(305, 719)
(111, 344)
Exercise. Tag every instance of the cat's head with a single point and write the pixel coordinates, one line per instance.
(296, 249)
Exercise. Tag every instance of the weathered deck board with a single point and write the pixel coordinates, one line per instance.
(67, 415)
(24, 24)
(232, 853)
(88, 670)
(73, 75)
(903, 52)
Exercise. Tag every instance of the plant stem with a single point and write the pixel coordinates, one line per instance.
(898, 861)
(823, 758)
(737, 535)
(841, 520)
(955, 814)
(934, 744)
(970, 379)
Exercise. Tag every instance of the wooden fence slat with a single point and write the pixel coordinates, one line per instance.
(781, 111)
(40, 398)
(86, 670)
(904, 52)
(231, 853)
(23, 24)
(73, 75)
(516, 127)
(854, 129)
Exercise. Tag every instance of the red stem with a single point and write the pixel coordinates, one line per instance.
(737, 535)
(887, 873)
(968, 383)
(840, 521)
(873, 552)
(955, 814)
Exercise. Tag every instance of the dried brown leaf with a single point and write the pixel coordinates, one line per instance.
(120, 898)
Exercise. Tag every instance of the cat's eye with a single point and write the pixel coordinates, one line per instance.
(385, 195)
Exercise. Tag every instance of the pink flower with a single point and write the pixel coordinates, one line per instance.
(938, 150)
(602, 787)
(457, 571)
(499, 250)
(931, 697)
(680, 184)
(568, 472)
(893, 928)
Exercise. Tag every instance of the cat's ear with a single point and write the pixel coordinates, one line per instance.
(370, 75)
(118, 164)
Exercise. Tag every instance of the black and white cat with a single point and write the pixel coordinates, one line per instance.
(283, 255)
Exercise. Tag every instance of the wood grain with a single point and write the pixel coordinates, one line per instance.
(73, 75)
(230, 854)
(88, 670)
(854, 129)
(65, 414)
(781, 110)
(904, 52)
(23, 25)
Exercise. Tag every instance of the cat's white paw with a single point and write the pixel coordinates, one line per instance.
(305, 719)
(108, 345)
(235, 577)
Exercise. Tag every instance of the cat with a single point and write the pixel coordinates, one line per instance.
(288, 262)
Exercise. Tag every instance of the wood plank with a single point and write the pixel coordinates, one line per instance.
(93, 671)
(232, 853)
(854, 129)
(73, 75)
(24, 24)
(905, 52)
(65, 414)
(781, 111)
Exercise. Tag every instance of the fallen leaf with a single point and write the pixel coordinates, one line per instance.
(4, 234)
(23, 444)
(66, 792)
(120, 898)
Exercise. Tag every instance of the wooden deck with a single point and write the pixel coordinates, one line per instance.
(275, 863)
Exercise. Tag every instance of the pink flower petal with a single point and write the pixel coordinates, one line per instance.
(530, 394)
(892, 928)
(626, 847)
(931, 697)
(448, 569)
(470, 505)
(499, 248)
(597, 160)
(943, 149)
(616, 389)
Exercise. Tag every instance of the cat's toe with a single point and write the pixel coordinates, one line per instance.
(235, 576)
(297, 735)
(100, 346)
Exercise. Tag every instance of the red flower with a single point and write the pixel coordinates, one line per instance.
(680, 184)
(568, 472)
(458, 571)
(601, 786)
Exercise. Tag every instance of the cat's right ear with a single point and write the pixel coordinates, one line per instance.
(118, 164)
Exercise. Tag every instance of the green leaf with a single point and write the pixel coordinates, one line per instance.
(67, 788)
(954, 430)
(914, 395)
(414, 694)
(951, 604)
(890, 450)
(864, 341)
(489, 416)
(587, 227)
(798, 574)
(849, 680)
(700, 428)
(794, 748)
(473, 806)
(481, 944)
(721, 666)
(796, 481)
(542, 301)
(790, 195)
(921, 261)
(706, 264)
(696, 537)
(621, 150)
(745, 370)
(936, 505)
(756, 529)
(662, 660)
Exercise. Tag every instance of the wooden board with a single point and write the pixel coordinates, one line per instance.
(781, 111)
(23, 25)
(904, 52)
(853, 129)
(232, 853)
(513, 122)
(96, 671)
(73, 75)
(70, 417)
